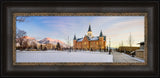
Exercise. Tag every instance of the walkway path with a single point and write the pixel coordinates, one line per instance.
(121, 57)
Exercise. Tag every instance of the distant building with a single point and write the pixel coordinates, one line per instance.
(42, 46)
(140, 52)
(141, 45)
(90, 42)
(127, 49)
(49, 46)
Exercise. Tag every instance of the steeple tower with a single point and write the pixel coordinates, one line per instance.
(101, 34)
(89, 29)
(74, 42)
(74, 37)
(89, 33)
(101, 40)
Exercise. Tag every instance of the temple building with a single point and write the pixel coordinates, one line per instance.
(140, 52)
(90, 42)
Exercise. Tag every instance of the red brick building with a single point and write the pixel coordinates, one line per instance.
(90, 42)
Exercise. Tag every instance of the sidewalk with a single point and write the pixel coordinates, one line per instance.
(121, 57)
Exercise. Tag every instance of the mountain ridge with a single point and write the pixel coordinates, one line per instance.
(46, 40)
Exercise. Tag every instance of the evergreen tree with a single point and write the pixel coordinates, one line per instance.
(58, 46)
(41, 47)
(45, 48)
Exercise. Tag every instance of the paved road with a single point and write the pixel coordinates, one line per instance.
(120, 57)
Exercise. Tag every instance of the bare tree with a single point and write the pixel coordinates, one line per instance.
(19, 35)
(34, 45)
(21, 18)
(25, 44)
(130, 41)
(122, 44)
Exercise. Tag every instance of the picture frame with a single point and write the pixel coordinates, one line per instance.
(148, 69)
(78, 14)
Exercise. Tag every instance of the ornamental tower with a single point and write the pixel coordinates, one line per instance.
(101, 40)
(89, 33)
(74, 42)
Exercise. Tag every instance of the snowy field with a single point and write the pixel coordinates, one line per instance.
(62, 56)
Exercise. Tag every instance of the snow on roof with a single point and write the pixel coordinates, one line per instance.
(94, 38)
(79, 39)
(91, 38)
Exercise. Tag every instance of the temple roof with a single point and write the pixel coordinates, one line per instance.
(95, 38)
(91, 38)
(79, 39)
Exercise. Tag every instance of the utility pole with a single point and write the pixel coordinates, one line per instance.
(68, 40)
(122, 47)
(130, 41)
(109, 46)
(122, 43)
(69, 45)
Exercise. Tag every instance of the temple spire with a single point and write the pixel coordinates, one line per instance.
(89, 29)
(74, 37)
(101, 34)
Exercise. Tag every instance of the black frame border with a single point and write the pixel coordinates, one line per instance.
(4, 72)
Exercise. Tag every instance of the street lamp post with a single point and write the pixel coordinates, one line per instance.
(109, 46)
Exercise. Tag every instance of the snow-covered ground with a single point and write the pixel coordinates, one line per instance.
(62, 56)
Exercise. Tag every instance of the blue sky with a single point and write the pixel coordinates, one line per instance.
(118, 28)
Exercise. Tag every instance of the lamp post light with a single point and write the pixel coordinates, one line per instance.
(109, 46)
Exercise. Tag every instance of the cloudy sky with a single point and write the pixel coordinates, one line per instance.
(117, 28)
